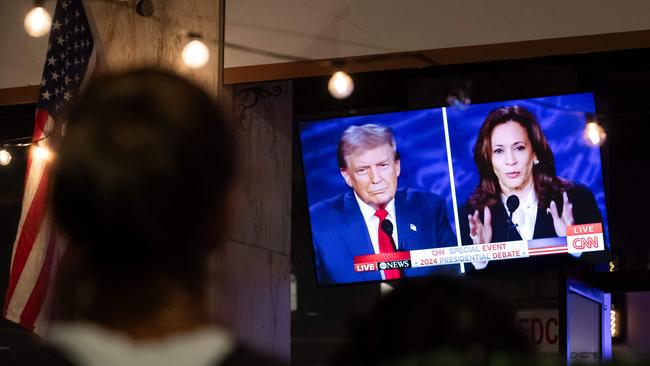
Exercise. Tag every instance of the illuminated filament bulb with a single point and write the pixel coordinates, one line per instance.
(38, 22)
(42, 153)
(613, 323)
(5, 157)
(340, 85)
(594, 134)
(195, 53)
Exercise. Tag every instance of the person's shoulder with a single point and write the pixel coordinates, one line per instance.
(327, 204)
(419, 196)
(578, 187)
(329, 209)
(579, 190)
(422, 201)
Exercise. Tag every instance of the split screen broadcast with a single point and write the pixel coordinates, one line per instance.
(418, 192)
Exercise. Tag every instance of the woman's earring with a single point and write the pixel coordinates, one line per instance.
(535, 161)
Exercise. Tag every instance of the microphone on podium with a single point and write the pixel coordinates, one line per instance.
(513, 203)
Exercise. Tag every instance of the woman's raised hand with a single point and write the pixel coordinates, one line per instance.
(480, 232)
(560, 223)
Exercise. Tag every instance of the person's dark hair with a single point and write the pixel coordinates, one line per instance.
(435, 319)
(364, 137)
(140, 188)
(548, 186)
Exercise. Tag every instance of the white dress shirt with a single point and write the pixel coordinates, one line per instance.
(372, 223)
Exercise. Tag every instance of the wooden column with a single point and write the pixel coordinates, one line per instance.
(254, 267)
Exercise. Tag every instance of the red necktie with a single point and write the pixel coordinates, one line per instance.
(385, 245)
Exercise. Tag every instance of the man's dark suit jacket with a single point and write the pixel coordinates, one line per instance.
(339, 234)
(585, 211)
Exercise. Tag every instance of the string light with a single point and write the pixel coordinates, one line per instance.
(195, 54)
(20, 142)
(41, 153)
(5, 157)
(340, 85)
(38, 21)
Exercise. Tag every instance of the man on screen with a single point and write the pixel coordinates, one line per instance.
(352, 224)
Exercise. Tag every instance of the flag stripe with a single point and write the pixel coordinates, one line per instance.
(29, 276)
(35, 303)
(49, 307)
(28, 233)
(42, 123)
(32, 176)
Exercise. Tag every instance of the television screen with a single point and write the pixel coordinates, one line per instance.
(418, 192)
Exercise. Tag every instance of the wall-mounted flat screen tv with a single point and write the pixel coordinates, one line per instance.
(412, 193)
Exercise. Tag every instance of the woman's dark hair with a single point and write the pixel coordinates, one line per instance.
(140, 186)
(548, 186)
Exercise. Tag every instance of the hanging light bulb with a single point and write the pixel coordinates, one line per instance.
(195, 53)
(340, 85)
(42, 153)
(38, 21)
(5, 157)
(594, 135)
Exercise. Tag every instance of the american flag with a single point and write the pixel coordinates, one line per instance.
(71, 57)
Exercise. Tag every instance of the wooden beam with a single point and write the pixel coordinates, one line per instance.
(443, 56)
(19, 95)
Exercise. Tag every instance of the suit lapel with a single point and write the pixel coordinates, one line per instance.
(409, 223)
(543, 224)
(354, 233)
(500, 226)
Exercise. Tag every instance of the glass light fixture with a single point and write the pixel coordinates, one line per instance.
(340, 85)
(195, 53)
(38, 21)
(5, 157)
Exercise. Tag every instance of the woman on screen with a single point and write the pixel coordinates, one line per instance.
(519, 196)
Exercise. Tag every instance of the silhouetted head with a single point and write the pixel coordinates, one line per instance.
(142, 184)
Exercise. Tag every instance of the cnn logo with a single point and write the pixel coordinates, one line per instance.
(585, 242)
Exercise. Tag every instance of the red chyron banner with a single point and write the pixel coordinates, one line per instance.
(374, 262)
